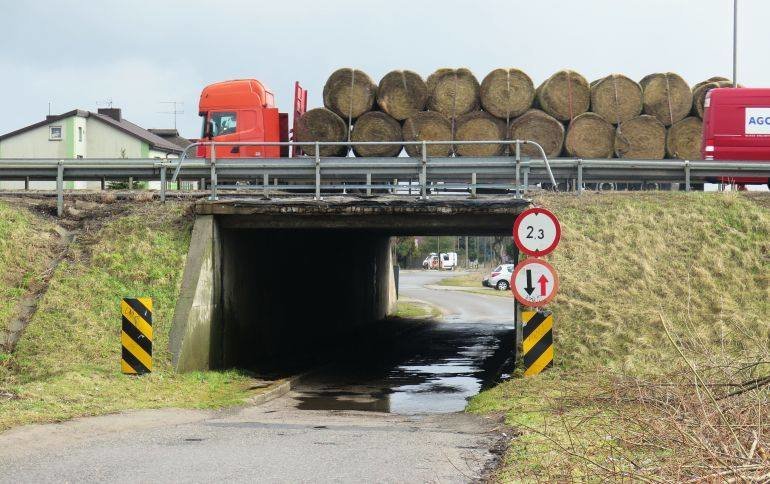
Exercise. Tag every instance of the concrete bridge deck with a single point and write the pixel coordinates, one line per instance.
(387, 214)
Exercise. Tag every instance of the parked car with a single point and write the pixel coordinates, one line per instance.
(431, 262)
(500, 278)
(448, 261)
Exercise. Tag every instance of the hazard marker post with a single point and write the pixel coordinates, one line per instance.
(136, 335)
(534, 283)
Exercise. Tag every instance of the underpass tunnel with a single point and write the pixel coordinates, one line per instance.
(288, 295)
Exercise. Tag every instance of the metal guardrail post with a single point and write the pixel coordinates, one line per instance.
(213, 182)
(687, 175)
(579, 176)
(424, 171)
(103, 183)
(60, 188)
(266, 185)
(163, 183)
(26, 183)
(473, 185)
(368, 183)
(518, 169)
(317, 172)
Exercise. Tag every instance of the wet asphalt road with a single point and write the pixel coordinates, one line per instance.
(389, 412)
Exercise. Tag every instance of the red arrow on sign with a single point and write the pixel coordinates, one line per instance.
(542, 281)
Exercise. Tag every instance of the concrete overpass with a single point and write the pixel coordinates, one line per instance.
(256, 268)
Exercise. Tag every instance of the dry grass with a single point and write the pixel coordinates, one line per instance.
(67, 362)
(663, 312)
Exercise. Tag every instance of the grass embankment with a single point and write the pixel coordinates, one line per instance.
(27, 246)
(67, 362)
(662, 328)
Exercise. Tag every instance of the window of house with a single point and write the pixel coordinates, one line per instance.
(54, 133)
(80, 133)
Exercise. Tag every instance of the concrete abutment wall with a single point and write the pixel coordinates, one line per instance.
(258, 298)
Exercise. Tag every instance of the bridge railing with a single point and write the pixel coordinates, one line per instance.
(341, 167)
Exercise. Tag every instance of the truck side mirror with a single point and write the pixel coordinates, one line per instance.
(209, 129)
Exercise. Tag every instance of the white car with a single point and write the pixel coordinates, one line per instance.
(500, 278)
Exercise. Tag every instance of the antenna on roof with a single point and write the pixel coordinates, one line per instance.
(49, 107)
(107, 103)
(174, 111)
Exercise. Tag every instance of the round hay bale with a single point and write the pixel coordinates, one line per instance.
(402, 94)
(590, 136)
(321, 124)
(667, 97)
(453, 92)
(683, 139)
(564, 95)
(699, 95)
(376, 126)
(710, 79)
(641, 138)
(506, 93)
(536, 125)
(616, 98)
(428, 126)
(479, 126)
(349, 93)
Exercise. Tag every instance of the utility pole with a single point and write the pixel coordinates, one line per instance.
(735, 43)
(467, 260)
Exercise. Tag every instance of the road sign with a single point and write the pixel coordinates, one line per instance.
(536, 231)
(534, 282)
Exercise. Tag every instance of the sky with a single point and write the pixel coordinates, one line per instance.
(138, 53)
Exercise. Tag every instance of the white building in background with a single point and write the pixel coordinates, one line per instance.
(84, 134)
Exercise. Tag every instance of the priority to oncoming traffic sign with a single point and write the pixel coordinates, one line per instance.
(534, 282)
(536, 231)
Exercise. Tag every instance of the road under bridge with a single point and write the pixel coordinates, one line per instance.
(255, 266)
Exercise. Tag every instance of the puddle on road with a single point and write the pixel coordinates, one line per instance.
(432, 369)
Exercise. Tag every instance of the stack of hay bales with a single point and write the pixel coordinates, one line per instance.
(614, 116)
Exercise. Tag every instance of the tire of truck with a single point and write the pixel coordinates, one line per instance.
(502, 285)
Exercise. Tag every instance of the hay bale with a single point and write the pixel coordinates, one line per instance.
(684, 138)
(699, 95)
(376, 126)
(641, 138)
(590, 136)
(453, 92)
(536, 125)
(479, 126)
(666, 96)
(710, 79)
(321, 124)
(428, 126)
(349, 93)
(616, 98)
(507, 93)
(564, 95)
(402, 94)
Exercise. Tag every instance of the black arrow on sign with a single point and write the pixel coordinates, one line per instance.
(530, 288)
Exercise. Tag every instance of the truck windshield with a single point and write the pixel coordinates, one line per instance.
(223, 123)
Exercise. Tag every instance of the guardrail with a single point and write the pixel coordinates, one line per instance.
(433, 175)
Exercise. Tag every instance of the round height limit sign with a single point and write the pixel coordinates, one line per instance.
(536, 232)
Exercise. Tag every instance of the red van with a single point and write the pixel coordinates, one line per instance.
(736, 126)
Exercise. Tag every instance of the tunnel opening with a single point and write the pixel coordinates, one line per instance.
(289, 287)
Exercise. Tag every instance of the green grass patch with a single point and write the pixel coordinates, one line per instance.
(701, 260)
(469, 279)
(27, 245)
(67, 363)
(412, 309)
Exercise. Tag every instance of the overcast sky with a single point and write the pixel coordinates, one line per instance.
(80, 54)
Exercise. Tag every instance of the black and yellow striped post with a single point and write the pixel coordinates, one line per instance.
(537, 344)
(136, 336)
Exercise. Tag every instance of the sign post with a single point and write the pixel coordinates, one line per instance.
(536, 233)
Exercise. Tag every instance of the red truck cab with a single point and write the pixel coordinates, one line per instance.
(242, 110)
(736, 126)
